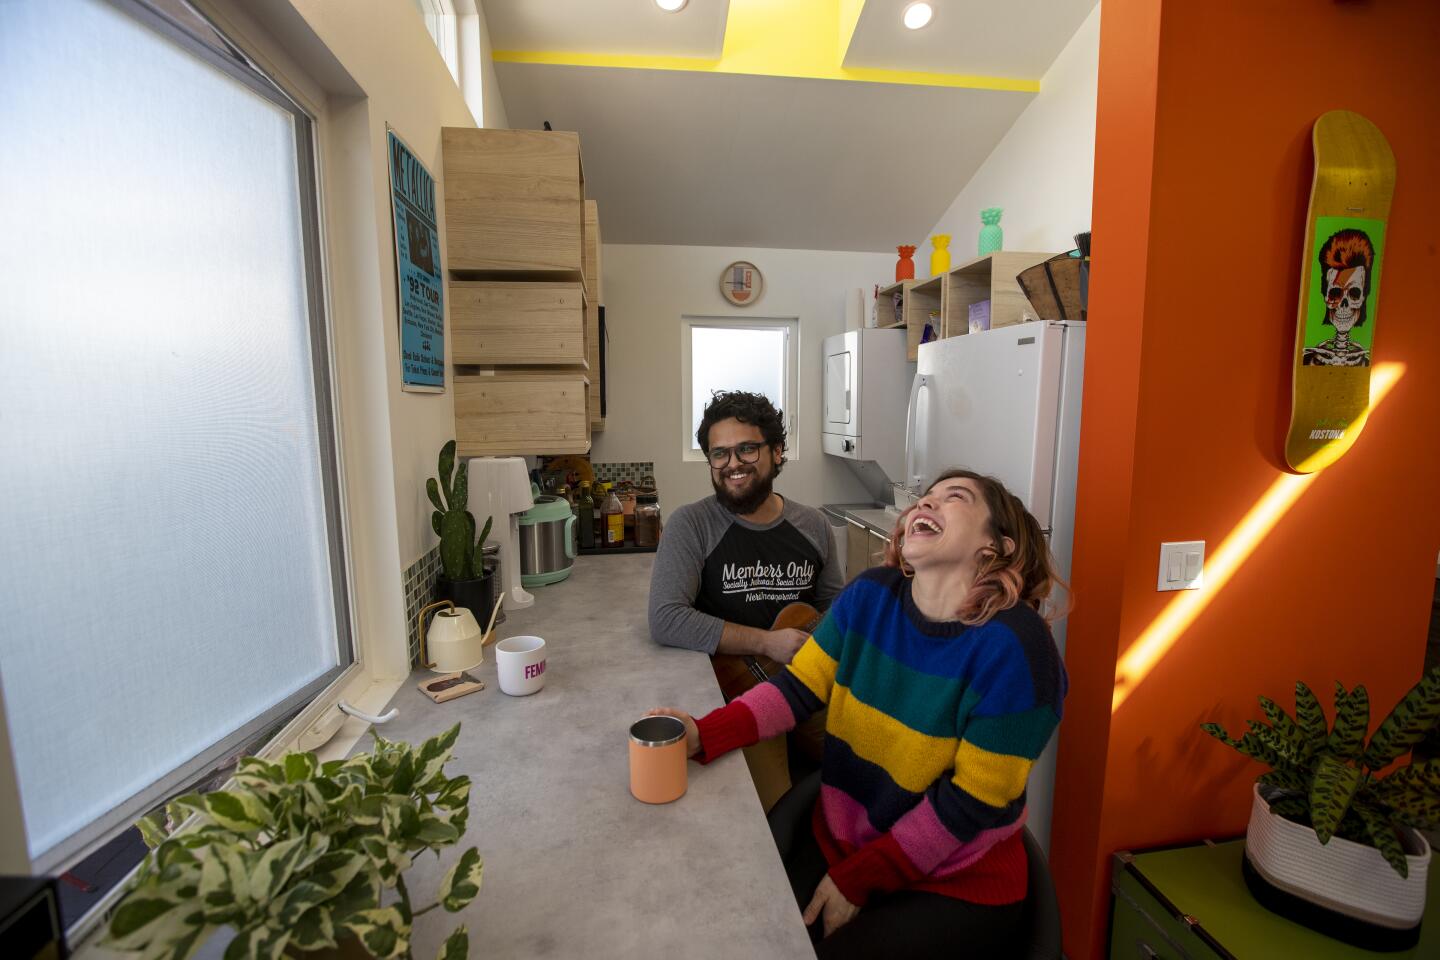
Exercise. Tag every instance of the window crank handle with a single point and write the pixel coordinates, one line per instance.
(385, 717)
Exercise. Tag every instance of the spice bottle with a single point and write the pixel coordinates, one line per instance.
(614, 514)
(584, 506)
(566, 494)
(647, 520)
(597, 519)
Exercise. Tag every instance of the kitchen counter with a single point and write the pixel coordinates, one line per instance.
(872, 516)
(574, 865)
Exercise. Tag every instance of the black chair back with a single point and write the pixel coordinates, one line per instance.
(1042, 908)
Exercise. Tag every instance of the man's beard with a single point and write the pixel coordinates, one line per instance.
(748, 502)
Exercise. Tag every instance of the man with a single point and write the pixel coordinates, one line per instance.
(727, 565)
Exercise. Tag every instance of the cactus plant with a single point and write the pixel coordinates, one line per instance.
(461, 552)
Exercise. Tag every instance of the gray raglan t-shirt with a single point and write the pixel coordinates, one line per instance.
(712, 566)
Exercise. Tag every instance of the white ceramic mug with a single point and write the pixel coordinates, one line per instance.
(520, 662)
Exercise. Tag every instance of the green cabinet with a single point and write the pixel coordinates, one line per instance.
(1191, 903)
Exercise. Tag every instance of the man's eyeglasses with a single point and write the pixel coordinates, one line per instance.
(744, 452)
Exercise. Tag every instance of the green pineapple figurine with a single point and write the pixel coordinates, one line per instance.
(990, 235)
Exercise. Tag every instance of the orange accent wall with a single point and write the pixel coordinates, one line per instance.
(1202, 177)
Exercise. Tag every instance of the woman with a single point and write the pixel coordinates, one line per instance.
(943, 685)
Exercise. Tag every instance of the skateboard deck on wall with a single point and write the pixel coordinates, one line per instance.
(1339, 288)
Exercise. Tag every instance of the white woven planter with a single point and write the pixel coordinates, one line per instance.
(1348, 878)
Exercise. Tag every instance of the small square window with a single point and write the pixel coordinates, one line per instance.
(722, 354)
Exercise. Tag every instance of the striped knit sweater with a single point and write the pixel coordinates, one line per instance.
(931, 732)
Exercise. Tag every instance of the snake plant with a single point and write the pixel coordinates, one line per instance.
(296, 857)
(1333, 780)
(461, 553)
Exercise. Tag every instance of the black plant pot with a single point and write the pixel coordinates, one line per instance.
(477, 595)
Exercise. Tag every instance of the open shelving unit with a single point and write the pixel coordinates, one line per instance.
(991, 277)
(948, 298)
(926, 297)
(917, 299)
(885, 318)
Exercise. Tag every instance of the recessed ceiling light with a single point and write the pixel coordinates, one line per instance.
(671, 6)
(916, 15)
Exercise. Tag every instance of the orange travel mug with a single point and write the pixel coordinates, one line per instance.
(657, 759)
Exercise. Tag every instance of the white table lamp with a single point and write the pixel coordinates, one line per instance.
(500, 488)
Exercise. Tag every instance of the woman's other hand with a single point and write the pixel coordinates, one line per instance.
(692, 732)
(832, 903)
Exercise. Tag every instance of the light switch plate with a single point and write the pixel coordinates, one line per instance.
(1182, 565)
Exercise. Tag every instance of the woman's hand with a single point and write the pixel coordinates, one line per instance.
(692, 732)
(828, 899)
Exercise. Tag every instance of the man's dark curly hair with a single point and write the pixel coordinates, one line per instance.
(751, 408)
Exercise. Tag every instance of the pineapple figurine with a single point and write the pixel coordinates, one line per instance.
(940, 256)
(990, 235)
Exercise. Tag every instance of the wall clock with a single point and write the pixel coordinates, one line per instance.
(741, 283)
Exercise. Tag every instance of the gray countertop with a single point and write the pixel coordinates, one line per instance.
(870, 515)
(574, 865)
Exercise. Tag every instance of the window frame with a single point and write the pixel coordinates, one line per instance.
(690, 453)
(369, 518)
(217, 43)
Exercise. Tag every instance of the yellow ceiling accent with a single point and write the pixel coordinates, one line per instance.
(779, 38)
(849, 18)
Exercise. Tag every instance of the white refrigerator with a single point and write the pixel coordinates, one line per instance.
(1006, 402)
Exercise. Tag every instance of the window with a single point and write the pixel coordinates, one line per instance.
(454, 27)
(723, 354)
(174, 576)
(441, 23)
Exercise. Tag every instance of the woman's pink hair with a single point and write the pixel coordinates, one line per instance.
(1025, 574)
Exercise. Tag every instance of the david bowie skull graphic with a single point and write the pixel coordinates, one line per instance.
(1347, 262)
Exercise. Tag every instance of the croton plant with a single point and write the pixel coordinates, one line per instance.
(1330, 778)
(296, 856)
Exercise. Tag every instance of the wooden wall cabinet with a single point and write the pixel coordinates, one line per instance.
(595, 293)
(514, 204)
(500, 323)
(594, 289)
(592, 356)
(515, 412)
(523, 253)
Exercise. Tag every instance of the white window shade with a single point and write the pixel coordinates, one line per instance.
(170, 557)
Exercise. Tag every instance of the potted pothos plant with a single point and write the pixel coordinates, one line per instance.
(465, 581)
(301, 858)
(1333, 839)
